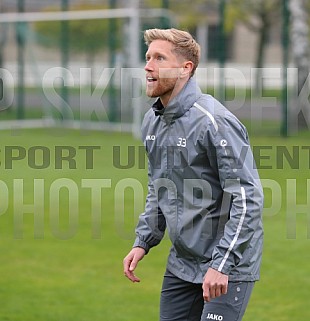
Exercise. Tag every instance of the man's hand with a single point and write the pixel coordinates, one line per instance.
(214, 284)
(130, 263)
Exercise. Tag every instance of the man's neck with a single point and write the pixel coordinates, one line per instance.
(165, 100)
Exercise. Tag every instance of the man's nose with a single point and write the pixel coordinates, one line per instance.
(149, 66)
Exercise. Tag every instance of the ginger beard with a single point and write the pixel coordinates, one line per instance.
(163, 84)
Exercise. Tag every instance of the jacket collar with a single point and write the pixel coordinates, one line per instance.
(180, 104)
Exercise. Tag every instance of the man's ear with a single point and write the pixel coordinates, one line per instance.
(187, 69)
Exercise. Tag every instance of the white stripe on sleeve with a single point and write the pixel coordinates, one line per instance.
(208, 114)
(244, 209)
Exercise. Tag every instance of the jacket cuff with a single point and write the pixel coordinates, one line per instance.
(225, 270)
(139, 243)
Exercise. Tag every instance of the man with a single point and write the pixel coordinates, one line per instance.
(203, 188)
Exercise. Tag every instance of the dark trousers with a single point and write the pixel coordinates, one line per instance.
(183, 301)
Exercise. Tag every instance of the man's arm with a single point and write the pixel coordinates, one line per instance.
(149, 232)
(240, 182)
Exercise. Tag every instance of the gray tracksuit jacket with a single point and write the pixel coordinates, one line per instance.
(203, 189)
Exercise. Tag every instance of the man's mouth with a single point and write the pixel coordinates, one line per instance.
(151, 79)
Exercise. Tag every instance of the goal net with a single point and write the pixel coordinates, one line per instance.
(79, 68)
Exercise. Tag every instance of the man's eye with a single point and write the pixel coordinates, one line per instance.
(160, 58)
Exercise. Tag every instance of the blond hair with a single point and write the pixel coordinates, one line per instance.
(184, 44)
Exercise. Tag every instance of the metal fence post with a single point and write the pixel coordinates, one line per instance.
(20, 62)
(64, 45)
(285, 48)
(222, 50)
(112, 108)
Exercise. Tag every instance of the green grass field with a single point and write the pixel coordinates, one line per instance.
(64, 263)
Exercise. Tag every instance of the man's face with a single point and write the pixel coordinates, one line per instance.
(162, 70)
